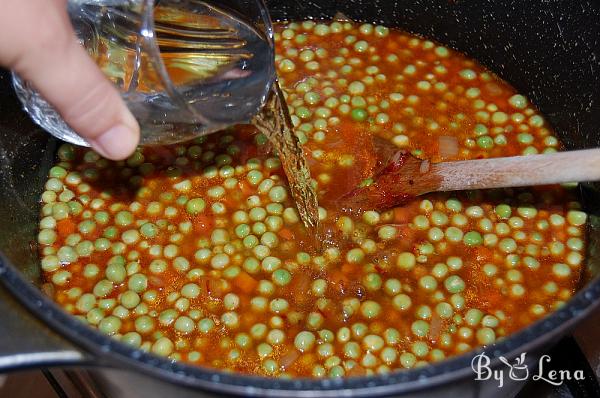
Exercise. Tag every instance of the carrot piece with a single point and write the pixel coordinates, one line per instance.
(299, 285)
(215, 288)
(245, 188)
(356, 371)
(202, 223)
(339, 279)
(403, 214)
(156, 281)
(348, 269)
(405, 232)
(286, 234)
(436, 328)
(65, 227)
(245, 282)
(484, 254)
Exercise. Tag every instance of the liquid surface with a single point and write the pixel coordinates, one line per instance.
(197, 252)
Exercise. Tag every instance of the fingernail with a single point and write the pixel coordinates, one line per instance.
(117, 143)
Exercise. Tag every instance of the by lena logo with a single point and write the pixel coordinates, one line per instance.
(519, 370)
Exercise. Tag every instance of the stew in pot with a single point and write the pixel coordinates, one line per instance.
(195, 251)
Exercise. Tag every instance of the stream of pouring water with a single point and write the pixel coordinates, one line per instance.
(275, 123)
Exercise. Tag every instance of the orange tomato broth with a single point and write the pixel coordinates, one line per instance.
(413, 92)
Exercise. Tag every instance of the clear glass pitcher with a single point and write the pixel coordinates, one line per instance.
(185, 68)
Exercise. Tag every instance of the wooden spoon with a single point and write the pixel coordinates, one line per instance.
(405, 176)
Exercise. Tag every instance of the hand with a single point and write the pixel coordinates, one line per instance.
(39, 43)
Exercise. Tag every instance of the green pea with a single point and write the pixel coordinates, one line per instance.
(123, 218)
(577, 218)
(490, 321)
(503, 211)
(485, 336)
(507, 245)
(258, 228)
(163, 346)
(420, 349)
(468, 74)
(149, 230)
(85, 303)
(473, 317)
(518, 101)
(220, 236)
(115, 271)
(438, 218)
(435, 234)
(420, 328)
(279, 305)
(103, 288)
(361, 46)
(205, 325)
(110, 325)
(561, 270)
(184, 325)
(444, 310)
(57, 172)
(485, 142)
(359, 114)
(269, 239)
(453, 234)
(281, 277)
(195, 206)
(392, 286)
(132, 339)
(67, 255)
(453, 205)
(47, 237)
(428, 283)
(389, 355)
(220, 261)
(304, 341)
(130, 299)
(101, 217)
(407, 360)
(401, 302)
(473, 238)
(66, 152)
(387, 232)
(158, 266)
(371, 217)
(406, 261)
(421, 222)
(355, 255)
(137, 283)
(60, 211)
(454, 284)
(370, 309)
(372, 281)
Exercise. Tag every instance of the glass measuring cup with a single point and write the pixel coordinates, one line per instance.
(185, 68)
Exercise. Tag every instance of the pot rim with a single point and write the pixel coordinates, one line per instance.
(126, 357)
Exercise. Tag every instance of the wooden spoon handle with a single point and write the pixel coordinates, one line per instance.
(518, 171)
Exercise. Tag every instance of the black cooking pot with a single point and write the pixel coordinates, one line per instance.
(548, 49)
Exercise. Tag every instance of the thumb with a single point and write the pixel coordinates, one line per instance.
(67, 77)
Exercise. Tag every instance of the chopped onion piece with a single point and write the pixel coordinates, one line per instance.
(341, 17)
(289, 358)
(448, 146)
